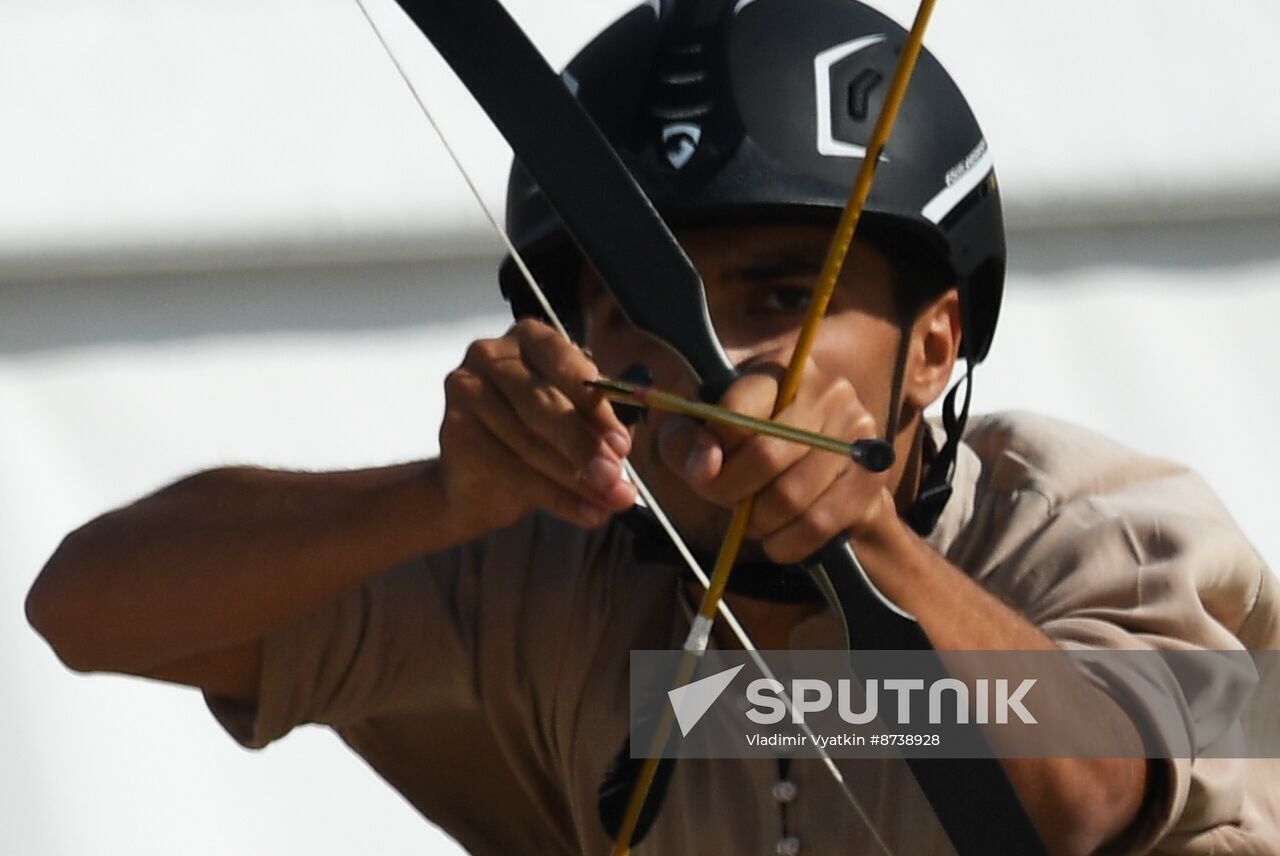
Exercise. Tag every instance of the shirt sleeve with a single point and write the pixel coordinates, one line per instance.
(460, 678)
(1158, 565)
(400, 641)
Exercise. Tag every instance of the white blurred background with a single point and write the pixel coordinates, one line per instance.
(228, 235)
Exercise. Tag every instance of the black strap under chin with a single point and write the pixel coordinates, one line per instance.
(935, 487)
(761, 580)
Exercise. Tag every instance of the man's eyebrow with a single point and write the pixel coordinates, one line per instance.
(767, 268)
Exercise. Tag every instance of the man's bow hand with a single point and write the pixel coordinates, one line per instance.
(805, 496)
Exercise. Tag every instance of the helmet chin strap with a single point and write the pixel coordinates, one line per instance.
(935, 486)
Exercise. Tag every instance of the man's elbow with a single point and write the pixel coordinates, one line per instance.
(51, 610)
(1098, 807)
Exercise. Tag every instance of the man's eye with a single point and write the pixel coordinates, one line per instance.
(788, 299)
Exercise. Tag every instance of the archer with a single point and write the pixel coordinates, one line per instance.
(464, 622)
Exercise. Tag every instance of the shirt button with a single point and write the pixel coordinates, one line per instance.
(789, 846)
(785, 791)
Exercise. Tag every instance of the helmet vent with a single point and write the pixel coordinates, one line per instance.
(860, 88)
(682, 78)
(676, 114)
(692, 121)
(686, 49)
(680, 86)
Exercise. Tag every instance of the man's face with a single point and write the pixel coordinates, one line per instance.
(759, 281)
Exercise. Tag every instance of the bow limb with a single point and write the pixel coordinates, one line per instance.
(575, 166)
(631, 248)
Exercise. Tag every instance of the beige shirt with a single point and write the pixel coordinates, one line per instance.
(488, 683)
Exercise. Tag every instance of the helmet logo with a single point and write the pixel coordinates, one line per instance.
(959, 182)
(680, 142)
(823, 67)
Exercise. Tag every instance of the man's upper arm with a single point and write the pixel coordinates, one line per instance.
(231, 672)
(400, 641)
(1155, 566)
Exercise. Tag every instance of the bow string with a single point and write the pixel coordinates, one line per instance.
(632, 248)
(703, 354)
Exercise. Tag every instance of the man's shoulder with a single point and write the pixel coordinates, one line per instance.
(1025, 451)
(1065, 496)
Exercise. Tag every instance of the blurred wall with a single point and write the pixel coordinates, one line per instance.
(227, 235)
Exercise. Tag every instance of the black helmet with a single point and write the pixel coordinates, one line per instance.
(757, 111)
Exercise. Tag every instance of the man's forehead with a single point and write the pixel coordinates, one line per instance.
(757, 241)
(761, 253)
(758, 265)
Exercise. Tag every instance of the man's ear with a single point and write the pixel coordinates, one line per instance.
(933, 351)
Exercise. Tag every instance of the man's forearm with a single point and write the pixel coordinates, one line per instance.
(956, 612)
(1077, 804)
(223, 556)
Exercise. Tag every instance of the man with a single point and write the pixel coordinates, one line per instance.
(464, 623)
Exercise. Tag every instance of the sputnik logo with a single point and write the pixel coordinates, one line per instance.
(691, 701)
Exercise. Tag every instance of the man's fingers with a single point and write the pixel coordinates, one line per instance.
(597, 480)
(801, 488)
(540, 375)
(753, 394)
(828, 517)
(593, 473)
(521, 431)
(539, 407)
(538, 489)
(689, 449)
(758, 462)
(792, 495)
(566, 368)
